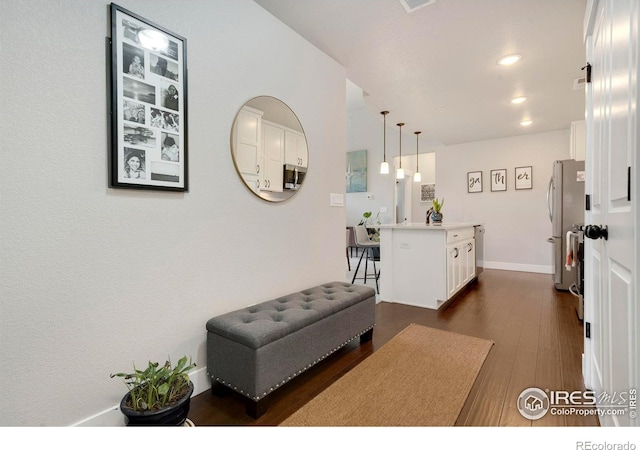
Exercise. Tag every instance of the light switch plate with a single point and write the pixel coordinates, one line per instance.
(336, 200)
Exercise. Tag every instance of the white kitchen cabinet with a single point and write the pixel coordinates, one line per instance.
(577, 140)
(273, 150)
(461, 259)
(469, 250)
(247, 145)
(453, 270)
(295, 148)
(426, 265)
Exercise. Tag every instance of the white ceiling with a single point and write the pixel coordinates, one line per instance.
(435, 69)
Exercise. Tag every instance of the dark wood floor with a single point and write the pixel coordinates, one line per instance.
(538, 342)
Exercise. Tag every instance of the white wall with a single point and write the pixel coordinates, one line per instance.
(364, 132)
(516, 221)
(94, 279)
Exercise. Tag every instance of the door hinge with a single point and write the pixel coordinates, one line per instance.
(587, 202)
(588, 67)
(587, 330)
(629, 183)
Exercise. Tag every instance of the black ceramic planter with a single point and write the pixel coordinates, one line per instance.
(174, 415)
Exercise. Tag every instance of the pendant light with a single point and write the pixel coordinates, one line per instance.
(417, 177)
(400, 171)
(384, 166)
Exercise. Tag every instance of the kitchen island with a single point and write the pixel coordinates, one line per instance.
(426, 265)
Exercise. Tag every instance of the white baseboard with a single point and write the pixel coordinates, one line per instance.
(112, 417)
(516, 267)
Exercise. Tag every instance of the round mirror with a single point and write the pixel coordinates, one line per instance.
(269, 148)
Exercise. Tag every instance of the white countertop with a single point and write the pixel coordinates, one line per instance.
(430, 227)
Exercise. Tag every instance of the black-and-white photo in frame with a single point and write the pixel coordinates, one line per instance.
(148, 90)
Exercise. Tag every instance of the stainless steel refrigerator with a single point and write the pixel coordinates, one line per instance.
(565, 204)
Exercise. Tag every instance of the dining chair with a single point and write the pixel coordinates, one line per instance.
(368, 248)
(347, 249)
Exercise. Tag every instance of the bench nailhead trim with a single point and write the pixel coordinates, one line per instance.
(256, 398)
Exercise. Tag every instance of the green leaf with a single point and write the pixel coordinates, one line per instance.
(163, 389)
(157, 385)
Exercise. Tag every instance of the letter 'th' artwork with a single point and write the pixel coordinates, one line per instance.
(498, 180)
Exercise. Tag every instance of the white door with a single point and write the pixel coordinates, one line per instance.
(611, 299)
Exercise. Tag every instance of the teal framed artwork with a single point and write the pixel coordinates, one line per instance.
(357, 171)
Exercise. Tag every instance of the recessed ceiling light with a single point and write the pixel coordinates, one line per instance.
(517, 100)
(509, 59)
(526, 123)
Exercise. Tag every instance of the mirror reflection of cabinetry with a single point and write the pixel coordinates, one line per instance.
(259, 150)
(266, 140)
(248, 135)
(273, 150)
(295, 149)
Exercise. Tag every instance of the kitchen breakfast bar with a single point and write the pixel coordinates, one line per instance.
(426, 265)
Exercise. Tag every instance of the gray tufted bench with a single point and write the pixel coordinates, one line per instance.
(257, 349)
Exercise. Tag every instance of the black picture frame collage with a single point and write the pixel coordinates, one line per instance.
(148, 84)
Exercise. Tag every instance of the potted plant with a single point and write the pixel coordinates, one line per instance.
(158, 395)
(374, 233)
(437, 207)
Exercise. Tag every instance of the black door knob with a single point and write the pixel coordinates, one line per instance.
(596, 232)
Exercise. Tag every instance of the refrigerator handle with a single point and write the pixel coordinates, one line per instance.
(549, 199)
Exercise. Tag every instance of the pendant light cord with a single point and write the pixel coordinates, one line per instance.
(384, 135)
(401, 125)
(417, 133)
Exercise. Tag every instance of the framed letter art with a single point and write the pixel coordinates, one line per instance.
(148, 105)
(427, 192)
(499, 180)
(524, 178)
(474, 182)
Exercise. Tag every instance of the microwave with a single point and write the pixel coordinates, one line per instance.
(293, 176)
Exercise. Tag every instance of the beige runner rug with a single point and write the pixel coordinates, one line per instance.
(421, 377)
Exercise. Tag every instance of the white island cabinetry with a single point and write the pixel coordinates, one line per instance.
(426, 265)
(461, 259)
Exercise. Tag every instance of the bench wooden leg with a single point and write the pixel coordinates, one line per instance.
(366, 337)
(219, 389)
(257, 409)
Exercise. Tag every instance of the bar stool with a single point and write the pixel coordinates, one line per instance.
(368, 248)
(347, 249)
